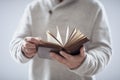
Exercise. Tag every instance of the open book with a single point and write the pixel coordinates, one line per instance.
(72, 43)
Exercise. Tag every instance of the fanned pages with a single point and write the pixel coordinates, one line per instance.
(73, 41)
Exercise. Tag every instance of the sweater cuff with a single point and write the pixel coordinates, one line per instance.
(83, 67)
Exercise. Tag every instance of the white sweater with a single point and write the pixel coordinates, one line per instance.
(87, 15)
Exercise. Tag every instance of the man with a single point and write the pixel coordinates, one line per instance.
(41, 15)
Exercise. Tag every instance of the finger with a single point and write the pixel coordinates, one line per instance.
(29, 45)
(66, 55)
(82, 51)
(30, 54)
(34, 40)
(58, 58)
(30, 51)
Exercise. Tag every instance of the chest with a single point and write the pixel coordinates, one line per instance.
(62, 17)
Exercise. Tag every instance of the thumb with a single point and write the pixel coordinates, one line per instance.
(34, 40)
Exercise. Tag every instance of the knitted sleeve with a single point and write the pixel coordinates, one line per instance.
(99, 52)
(23, 30)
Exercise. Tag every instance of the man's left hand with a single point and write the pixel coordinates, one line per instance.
(70, 61)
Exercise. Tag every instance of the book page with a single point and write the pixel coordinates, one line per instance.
(51, 38)
(67, 35)
(59, 36)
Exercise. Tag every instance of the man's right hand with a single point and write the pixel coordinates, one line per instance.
(29, 46)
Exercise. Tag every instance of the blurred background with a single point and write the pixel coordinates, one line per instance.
(10, 14)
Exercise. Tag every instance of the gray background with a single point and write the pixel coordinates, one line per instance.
(10, 13)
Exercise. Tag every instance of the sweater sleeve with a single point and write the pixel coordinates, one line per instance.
(23, 30)
(99, 50)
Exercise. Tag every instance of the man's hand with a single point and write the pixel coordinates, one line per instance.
(70, 61)
(29, 46)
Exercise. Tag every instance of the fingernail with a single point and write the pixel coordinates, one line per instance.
(61, 52)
